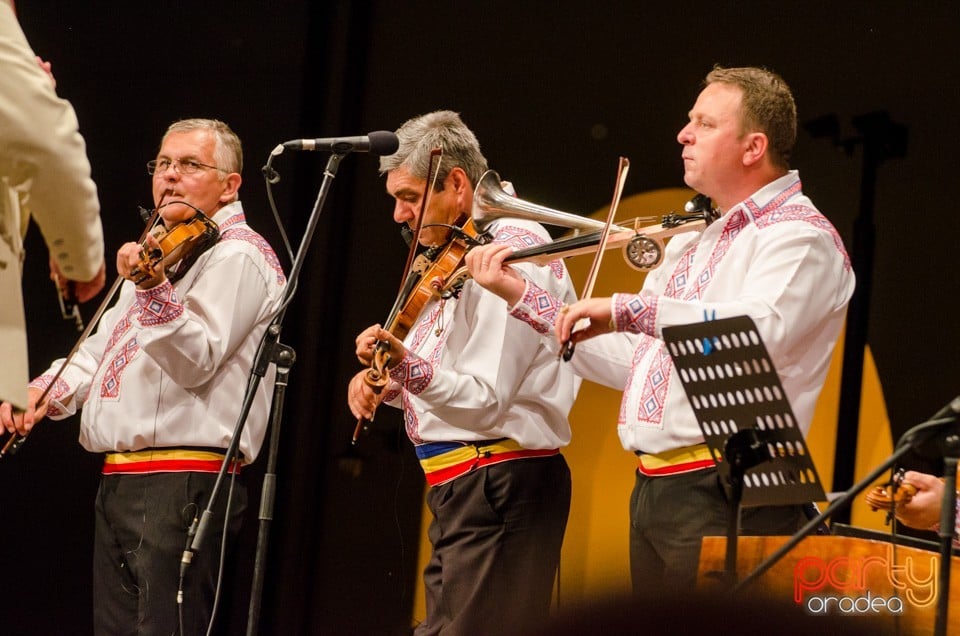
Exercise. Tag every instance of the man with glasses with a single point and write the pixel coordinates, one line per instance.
(161, 384)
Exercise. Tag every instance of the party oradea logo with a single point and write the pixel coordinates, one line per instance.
(871, 584)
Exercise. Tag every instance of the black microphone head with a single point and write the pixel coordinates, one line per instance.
(407, 234)
(699, 203)
(383, 142)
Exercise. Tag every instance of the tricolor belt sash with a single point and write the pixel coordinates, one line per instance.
(444, 461)
(674, 462)
(167, 460)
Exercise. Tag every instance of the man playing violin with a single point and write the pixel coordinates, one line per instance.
(484, 404)
(771, 256)
(160, 384)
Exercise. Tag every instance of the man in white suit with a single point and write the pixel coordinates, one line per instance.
(43, 165)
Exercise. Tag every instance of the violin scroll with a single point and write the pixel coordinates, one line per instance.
(378, 374)
(890, 495)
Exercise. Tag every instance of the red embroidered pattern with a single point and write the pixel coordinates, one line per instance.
(60, 389)
(736, 221)
(423, 373)
(635, 313)
(807, 215)
(110, 386)
(544, 305)
(231, 221)
(244, 233)
(122, 326)
(413, 372)
(520, 238)
(681, 273)
(775, 202)
(657, 381)
(410, 421)
(159, 305)
(424, 326)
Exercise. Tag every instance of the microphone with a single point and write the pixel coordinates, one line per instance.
(380, 142)
(698, 203)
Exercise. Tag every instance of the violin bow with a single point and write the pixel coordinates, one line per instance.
(16, 441)
(622, 169)
(406, 281)
(411, 255)
(377, 375)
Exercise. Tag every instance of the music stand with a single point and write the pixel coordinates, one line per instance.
(745, 417)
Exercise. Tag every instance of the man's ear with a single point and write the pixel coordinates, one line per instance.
(755, 148)
(459, 179)
(230, 187)
(462, 187)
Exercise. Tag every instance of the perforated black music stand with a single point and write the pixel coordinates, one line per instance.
(745, 417)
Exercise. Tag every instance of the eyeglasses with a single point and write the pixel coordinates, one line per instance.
(183, 166)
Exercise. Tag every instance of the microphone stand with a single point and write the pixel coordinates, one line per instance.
(948, 520)
(270, 351)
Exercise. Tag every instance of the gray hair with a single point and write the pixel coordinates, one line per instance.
(443, 129)
(227, 151)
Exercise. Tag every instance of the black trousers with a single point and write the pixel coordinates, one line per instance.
(140, 536)
(669, 516)
(496, 536)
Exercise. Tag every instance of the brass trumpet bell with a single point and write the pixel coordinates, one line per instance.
(491, 202)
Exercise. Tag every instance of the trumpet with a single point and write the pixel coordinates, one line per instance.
(642, 242)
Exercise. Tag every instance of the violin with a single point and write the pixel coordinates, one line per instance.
(642, 245)
(436, 273)
(435, 277)
(424, 276)
(179, 243)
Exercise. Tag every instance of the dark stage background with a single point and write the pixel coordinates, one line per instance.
(555, 92)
